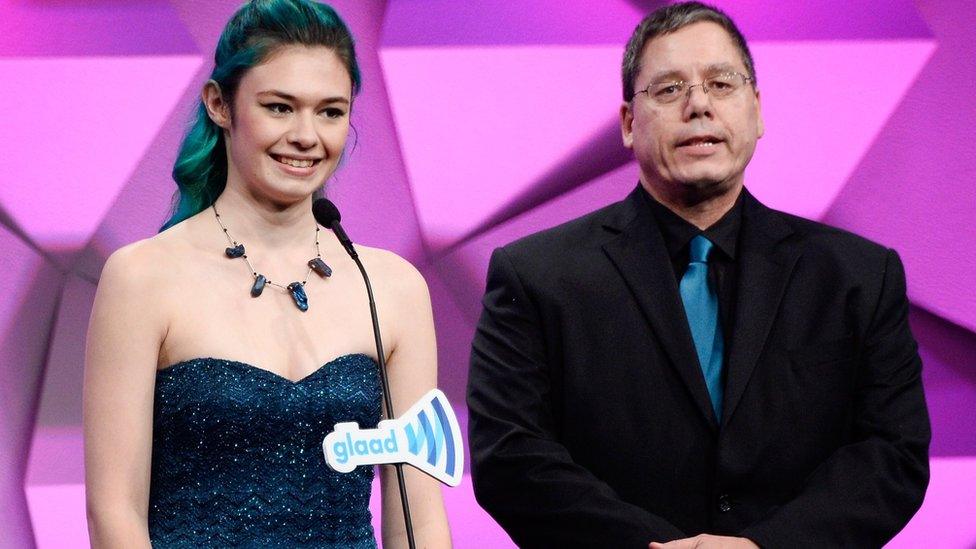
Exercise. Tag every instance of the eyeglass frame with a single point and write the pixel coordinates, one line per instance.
(745, 80)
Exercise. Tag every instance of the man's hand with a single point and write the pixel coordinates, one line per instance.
(706, 541)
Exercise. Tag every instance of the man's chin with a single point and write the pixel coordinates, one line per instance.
(694, 186)
(705, 187)
(704, 183)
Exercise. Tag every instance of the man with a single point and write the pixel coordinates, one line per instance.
(686, 367)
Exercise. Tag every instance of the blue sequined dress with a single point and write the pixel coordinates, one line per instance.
(237, 456)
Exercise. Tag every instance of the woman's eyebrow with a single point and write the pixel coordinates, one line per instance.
(290, 97)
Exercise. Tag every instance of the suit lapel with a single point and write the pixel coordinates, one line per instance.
(640, 257)
(766, 261)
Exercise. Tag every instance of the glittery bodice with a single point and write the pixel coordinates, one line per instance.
(237, 456)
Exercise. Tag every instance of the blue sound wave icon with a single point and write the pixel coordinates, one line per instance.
(433, 434)
(427, 436)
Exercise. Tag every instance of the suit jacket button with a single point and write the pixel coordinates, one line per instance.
(724, 505)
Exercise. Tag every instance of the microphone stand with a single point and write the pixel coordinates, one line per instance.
(381, 358)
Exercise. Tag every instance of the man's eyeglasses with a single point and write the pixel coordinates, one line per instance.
(719, 86)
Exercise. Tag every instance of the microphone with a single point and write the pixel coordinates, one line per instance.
(327, 214)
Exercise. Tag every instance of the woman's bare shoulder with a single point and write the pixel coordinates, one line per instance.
(394, 273)
(147, 264)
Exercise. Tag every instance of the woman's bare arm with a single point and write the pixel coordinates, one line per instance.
(412, 370)
(124, 336)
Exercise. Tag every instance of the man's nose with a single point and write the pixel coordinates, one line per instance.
(698, 102)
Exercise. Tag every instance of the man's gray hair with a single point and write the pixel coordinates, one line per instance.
(669, 19)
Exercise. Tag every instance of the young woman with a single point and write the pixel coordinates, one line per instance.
(223, 350)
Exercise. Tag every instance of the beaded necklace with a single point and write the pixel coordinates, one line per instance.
(295, 289)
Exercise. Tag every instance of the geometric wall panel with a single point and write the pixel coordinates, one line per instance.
(455, 330)
(60, 404)
(465, 142)
(74, 151)
(822, 111)
(916, 189)
(58, 516)
(65, 28)
(409, 23)
(463, 515)
(30, 287)
(949, 373)
(464, 269)
(55, 478)
(947, 512)
(806, 20)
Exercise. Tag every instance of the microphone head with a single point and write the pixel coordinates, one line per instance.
(325, 212)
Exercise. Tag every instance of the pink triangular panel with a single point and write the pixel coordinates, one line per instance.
(81, 126)
(946, 516)
(823, 104)
(58, 515)
(479, 125)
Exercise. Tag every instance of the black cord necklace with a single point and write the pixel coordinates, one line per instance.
(295, 289)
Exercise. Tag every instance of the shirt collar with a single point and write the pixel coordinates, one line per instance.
(678, 232)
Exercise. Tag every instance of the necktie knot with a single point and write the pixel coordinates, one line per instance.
(700, 248)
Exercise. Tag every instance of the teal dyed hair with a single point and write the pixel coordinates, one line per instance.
(254, 32)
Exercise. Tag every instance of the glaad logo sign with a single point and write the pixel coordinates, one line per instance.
(426, 436)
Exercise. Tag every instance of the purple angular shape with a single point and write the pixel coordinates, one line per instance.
(455, 331)
(540, 105)
(503, 22)
(95, 28)
(113, 106)
(949, 373)
(601, 154)
(914, 189)
(826, 19)
(31, 287)
(60, 404)
(464, 269)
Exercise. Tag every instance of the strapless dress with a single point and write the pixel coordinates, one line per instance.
(237, 456)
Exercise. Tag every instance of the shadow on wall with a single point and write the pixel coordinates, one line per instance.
(949, 374)
(29, 316)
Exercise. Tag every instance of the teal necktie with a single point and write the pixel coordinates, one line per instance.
(701, 307)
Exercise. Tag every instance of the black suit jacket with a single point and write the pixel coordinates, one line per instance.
(590, 423)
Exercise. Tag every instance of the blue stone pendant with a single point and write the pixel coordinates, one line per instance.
(298, 294)
(258, 285)
(319, 266)
(236, 251)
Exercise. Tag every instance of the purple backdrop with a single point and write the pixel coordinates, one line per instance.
(479, 122)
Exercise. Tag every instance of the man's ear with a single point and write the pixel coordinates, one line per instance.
(761, 126)
(627, 124)
(213, 101)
